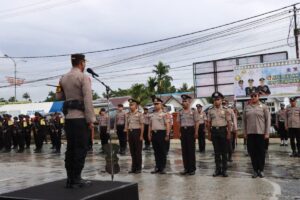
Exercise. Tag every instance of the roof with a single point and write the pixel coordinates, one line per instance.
(114, 101)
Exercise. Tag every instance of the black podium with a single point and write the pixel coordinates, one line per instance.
(99, 190)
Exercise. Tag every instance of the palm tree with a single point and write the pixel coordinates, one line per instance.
(140, 93)
(151, 85)
(163, 79)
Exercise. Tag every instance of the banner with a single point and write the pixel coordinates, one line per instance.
(274, 79)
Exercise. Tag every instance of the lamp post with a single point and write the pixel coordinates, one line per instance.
(15, 73)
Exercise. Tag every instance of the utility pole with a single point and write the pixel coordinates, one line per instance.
(296, 31)
(15, 73)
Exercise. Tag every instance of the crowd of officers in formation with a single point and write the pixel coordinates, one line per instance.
(16, 132)
(134, 127)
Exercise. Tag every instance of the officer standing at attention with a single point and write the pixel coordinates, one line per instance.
(1, 133)
(120, 128)
(280, 124)
(201, 131)
(159, 131)
(293, 125)
(146, 129)
(135, 132)
(103, 128)
(219, 127)
(75, 89)
(189, 124)
(257, 122)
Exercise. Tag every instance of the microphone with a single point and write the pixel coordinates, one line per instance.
(89, 70)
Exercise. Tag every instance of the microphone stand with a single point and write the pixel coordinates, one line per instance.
(107, 88)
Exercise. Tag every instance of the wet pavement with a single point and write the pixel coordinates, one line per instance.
(282, 174)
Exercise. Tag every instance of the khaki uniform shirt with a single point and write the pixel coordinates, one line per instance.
(134, 120)
(233, 119)
(77, 86)
(257, 119)
(146, 119)
(158, 121)
(293, 117)
(280, 116)
(120, 117)
(103, 120)
(218, 116)
(188, 118)
(202, 117)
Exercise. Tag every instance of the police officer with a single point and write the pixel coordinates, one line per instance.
(146, 129)
(233, 128)
(16, 129)
(257, 122)
(159, 131)
(219, 126)
(1, 133)
(135, 132)
(280, 124)
(21, 133)
(75, 89)
(103, 128)
(201, 131)
(8, 126)
(189, 124)
(120, 128)
(52, 130)
(40, 126)
(262, 88)
(250, 88)
(170, 117)
(292, 125)
(28, 131)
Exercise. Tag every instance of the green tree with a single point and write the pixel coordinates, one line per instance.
(163, 79)
(151, 83)
(95, 95)
(51, 97)
(11, 99)
(26, 96)
(140, 93)
(2, 100)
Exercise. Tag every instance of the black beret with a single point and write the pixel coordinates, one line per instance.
(254, 92)
(199, 106)
(157, 100)
(185, 97)
(241, 81)
(102, 109)
(120, 105)
(78, 56)
(145, 108)
(282, 104)
(261, 79)
(250, 80)
(293, 98)
(133, 100)
(217, 95)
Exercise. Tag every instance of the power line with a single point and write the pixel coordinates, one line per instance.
(161, 40)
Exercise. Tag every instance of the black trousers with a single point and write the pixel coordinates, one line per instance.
(294, 134)
(15, 137)
(282, 132)
(122, 137)
(21, 139)
(233, 141)
(57, 139)
(1, 140)
(201, 137)
(104, 136)
(52, 136)
(188, 148)
(28, 137)
(146, 139)
(77, 146)
(229, 146)
(256, 149)
(135, 146)
(159, 143)
(220, 142)
(7, 136)
(40, 137)
(167, 145)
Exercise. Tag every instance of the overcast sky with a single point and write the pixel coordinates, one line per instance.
(40, 27)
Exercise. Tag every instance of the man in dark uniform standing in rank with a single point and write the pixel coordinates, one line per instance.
(75, 89)
(159, 131)
(250, 89)
(1, 133)
(103, 128)
(58, 125)
(219, 126)
(135, 131)
(16, 129)
(262, 88)
(21, 133)
(8, 126)
(40, 125)
(28, 131)
(120, 128)
(189, 124)
(201, 131)
(146, 128)
(280, 124)
(292, 125)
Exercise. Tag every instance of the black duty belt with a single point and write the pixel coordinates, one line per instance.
(73, 105)
(134, 129)
(218, 127)
(187, 127)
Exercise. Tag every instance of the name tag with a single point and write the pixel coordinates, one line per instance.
(43, 122)
(24, 124)
(10, 123)
(62, 120)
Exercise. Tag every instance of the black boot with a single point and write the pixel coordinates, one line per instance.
(69, 179)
